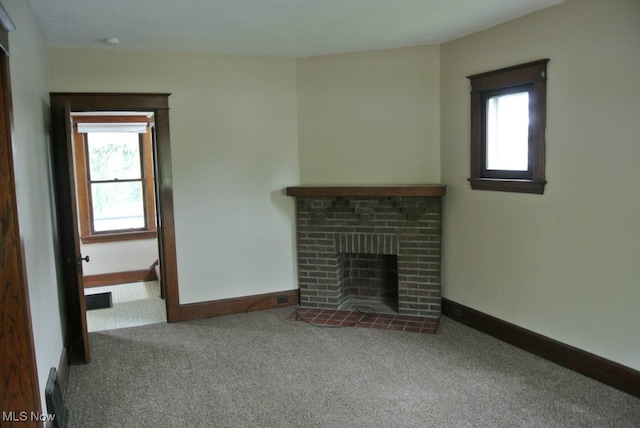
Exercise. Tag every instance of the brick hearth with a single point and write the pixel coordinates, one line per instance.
(337, 225)
(335, 318)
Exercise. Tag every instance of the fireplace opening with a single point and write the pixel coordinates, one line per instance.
(369, 281)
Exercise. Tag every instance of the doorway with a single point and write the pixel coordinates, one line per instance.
(63, 105)
(115, 197)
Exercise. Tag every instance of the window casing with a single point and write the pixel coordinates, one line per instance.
(508, 121)
(131, 176)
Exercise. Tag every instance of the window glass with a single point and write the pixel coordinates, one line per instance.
(115, 175)
(114, 155)
(117, 206)
(508, 132)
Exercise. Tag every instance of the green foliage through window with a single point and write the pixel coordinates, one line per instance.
(115, 175)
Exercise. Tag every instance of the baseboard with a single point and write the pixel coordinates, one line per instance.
(114, 278)
(608, 372)
(214, 308)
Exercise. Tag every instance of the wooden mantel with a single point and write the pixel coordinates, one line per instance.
(415, 190)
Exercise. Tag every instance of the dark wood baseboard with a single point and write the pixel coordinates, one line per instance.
(114, 278)
(214, 308)
(608, 372)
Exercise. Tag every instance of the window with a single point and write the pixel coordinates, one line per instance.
(114, 176)
(508, 120)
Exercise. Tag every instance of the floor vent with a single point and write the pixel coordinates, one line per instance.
(57, 411)
(98, 301)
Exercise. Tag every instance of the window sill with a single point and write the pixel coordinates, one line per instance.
(115, 237)
(508, 185)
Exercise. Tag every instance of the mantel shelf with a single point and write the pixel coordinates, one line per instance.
(415, 190)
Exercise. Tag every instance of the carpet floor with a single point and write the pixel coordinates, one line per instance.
(260, 370)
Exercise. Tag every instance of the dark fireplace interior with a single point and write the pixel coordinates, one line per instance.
(369, 281)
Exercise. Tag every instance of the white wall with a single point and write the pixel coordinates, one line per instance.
(565, 264)
(370, 118)
(121, 256)
(28, 67)
(233, 125)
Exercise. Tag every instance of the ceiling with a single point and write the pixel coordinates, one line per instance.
(284, 28)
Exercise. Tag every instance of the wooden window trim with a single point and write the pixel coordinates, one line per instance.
(533, 75)
(83, 198)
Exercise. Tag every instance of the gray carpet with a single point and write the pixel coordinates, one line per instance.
(260, 370)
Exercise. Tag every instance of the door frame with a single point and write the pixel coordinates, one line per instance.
(18, 367)
(62, 104)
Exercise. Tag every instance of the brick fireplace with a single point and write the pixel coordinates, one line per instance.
(374, 243)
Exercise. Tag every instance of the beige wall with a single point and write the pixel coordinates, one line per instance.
(110, 257)
(28, 67)
(234, 148)
(370, 118)
(565, 264)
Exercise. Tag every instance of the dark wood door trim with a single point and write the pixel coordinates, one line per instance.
(18, 369)
(166, 225)
(82, 102)
(67, 234)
